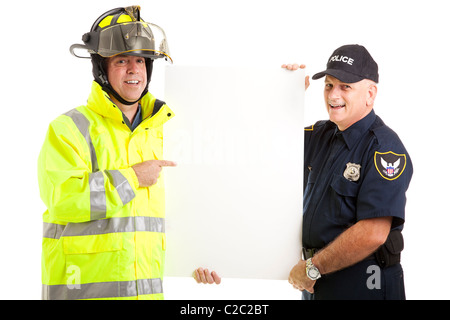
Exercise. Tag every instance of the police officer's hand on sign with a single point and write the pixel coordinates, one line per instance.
(294, 67)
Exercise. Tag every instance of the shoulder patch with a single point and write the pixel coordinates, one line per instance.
(390, 165)
(310, 128)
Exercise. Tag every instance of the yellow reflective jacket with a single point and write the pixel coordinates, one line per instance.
(103, 235)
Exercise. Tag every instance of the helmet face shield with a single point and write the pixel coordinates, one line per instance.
(133, 38)
(136, 38)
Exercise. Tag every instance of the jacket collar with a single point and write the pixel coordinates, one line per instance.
(100, 102)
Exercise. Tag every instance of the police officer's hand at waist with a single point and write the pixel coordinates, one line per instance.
(353, 245)
(299, 279)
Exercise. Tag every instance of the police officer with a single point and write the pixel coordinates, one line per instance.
(356, 173)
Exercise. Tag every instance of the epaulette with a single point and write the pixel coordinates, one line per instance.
(317, 124)
(386, 136)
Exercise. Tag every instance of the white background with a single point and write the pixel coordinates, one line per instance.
(408, 39)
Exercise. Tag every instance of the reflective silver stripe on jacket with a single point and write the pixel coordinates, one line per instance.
(115, 289)
(97, 195)
(83, 124)
(124, 224)
(121, 184)
(96, 178)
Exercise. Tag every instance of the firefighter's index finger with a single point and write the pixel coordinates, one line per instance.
(166, 163)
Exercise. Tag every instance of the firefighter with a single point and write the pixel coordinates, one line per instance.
(100, 172)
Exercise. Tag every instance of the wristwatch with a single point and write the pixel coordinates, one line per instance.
(311, 270)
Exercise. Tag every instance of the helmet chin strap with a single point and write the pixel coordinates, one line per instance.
(108, 89)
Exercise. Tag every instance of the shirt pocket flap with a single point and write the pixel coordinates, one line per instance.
(92, 243)
(344, 187)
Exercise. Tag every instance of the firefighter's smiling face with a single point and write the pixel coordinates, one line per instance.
(128, 76)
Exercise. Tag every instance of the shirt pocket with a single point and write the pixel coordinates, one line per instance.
(343, 206)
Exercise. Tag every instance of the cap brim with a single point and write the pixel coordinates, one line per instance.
(339, 74)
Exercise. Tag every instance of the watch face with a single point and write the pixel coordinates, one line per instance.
(313, 273)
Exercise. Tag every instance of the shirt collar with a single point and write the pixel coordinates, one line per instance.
(137, 118)
(136, 121)
(353, 133)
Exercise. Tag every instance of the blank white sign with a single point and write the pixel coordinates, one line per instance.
(234, 202)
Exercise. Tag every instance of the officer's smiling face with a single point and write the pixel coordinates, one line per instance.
(348, 103)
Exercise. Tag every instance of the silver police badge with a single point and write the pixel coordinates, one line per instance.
(352, 171)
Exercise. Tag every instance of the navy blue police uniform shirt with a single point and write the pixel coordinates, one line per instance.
(359, 173)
